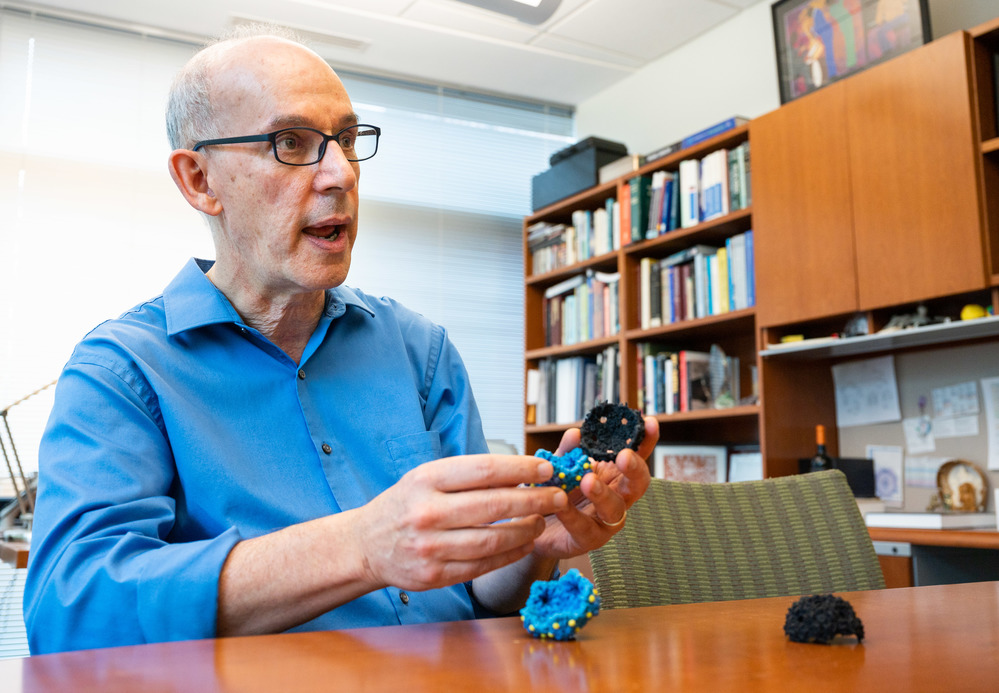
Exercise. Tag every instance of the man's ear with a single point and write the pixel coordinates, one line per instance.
(187, 169)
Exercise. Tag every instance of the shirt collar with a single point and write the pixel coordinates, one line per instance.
(191, 300)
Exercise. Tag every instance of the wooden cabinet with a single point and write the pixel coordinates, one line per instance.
(883, 165)
(805, 257)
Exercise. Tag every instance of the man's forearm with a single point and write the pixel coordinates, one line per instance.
(506, 590)
(283, 579)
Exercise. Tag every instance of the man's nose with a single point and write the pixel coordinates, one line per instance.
(334, 170)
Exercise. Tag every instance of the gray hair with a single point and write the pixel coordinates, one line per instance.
(190, 114)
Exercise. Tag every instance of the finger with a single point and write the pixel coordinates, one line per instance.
(482, 471)
(486, 506)
(570, 441)
(608, 505)
(454, 572)
(651, 437)
(632, 477)
(478, 543)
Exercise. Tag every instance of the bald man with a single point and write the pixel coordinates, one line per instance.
(261, 448)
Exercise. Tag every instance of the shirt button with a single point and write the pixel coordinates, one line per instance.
(326, 448)
(301, 374)
(404, 598)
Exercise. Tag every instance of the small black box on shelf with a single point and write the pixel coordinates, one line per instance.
(573, 169)
(859, 473)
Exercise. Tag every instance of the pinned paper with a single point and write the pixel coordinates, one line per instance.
(918, 435)
(955, 400)
(990, 393)
(866, 392)
(887, 473)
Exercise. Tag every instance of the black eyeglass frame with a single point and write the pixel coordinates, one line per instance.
(272, 138)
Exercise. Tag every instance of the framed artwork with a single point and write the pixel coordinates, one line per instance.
(701, 463)
(821, 41)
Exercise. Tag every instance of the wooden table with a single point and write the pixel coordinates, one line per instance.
(939, 638)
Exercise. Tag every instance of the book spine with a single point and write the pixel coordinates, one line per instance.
(710, 132)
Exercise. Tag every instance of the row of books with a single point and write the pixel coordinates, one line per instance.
(581, 308)
(562, 390)
(701, 190)
(697, 282)
(672, 381)
(592, 232)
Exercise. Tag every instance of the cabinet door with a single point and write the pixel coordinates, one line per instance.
(913, 159)
(802, 210)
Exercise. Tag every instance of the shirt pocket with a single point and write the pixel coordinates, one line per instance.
(412, 450)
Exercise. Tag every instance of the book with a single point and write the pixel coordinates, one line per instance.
(694, 391)
(620, 167)
(664, 151)
(709, 132)
(928, 520)
(690, 193)
(714, 185)
(640, 188)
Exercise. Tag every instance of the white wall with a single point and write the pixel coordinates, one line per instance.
(730, 70)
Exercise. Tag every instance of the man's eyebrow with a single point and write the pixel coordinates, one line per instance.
(295, 121)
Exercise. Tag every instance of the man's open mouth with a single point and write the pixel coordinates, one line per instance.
(329, 233)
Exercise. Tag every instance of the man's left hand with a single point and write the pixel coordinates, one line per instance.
(596, 511)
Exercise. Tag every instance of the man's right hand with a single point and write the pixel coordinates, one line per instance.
(443, 522)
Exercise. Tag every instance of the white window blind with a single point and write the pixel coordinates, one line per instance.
(91, 224)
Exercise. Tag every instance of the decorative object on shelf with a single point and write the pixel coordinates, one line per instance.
(856, 326)
(822, 41)
(720, 382)
(973, 311)
(609, 428)
(558, 609)
(700, 463)
(962, 487)
(819, 618)
(905, 321)
(570, 468)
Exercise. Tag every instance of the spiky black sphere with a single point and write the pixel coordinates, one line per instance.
(821, 617)
(610, 428)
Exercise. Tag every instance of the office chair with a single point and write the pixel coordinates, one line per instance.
(688, 542)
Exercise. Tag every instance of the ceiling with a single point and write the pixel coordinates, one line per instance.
(583, 48)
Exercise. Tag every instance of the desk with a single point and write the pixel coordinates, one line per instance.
(918, 639)
(933, 556)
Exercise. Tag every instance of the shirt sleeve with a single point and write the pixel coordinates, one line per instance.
(450, 405)
(103, 570)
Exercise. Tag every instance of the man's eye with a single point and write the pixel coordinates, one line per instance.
(347, 140)
(288, 141)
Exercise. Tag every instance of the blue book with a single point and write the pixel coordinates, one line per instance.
(750, 271)
(710, 132)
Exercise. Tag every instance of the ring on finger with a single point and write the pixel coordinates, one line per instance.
(611, 525)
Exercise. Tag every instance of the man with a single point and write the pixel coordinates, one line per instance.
(261, 448)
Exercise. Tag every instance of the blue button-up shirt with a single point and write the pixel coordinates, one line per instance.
(178, 430)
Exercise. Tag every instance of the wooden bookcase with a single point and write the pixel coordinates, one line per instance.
(870, 196)
(735, 331)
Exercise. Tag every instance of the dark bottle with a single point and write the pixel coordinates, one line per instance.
(821, 461)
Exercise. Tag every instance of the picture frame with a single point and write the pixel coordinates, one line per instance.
(819, 42)
(699, 463)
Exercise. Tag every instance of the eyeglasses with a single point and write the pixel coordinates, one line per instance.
(306, 146)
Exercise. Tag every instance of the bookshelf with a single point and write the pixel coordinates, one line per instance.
(871, 196)
(734, 330)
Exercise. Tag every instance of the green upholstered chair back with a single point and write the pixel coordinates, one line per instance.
(686, 542)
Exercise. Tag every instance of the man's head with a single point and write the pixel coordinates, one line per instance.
(279, 230)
